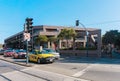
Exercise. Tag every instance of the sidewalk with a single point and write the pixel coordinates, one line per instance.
(15, 61)
(35, 72)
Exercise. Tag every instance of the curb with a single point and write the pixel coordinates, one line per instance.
(27, 65)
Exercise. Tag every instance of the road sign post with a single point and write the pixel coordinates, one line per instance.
(26, 35)
(27, 52)
(26, 39)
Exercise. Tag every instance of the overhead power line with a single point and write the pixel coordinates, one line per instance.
(106, 22)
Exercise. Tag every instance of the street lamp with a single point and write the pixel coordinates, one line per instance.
(77, 24)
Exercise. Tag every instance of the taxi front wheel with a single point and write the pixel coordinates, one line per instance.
(38, 61)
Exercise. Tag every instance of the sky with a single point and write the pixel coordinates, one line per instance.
(102, 14)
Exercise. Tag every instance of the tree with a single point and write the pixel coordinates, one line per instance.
(117, 41)
(110, 37)
(52, 40)
(73, 35)
(41, 39)
(67, 33)
(62, 34)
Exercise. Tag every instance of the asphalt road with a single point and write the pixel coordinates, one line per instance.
(13, 72)
(9, 67)
(89, 69)
(65, 69)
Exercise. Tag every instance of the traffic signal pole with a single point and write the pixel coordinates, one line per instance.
(27, 26)
(77, 24)
(26, 42)
(27, 56)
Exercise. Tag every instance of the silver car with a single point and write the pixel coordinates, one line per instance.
(56, 54)
(2, 52)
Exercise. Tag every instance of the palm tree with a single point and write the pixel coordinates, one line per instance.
(52, 40)
(61, 35)
(73, 36)
(41, 39)
(67, 33)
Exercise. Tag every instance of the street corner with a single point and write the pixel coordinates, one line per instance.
(16, 61)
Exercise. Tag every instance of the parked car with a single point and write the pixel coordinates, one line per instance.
(39, 57)
(20, 54)
(56, 54)
(2, 51)
(9, 53)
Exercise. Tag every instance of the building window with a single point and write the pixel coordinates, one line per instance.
(51, 30)
(37, 30)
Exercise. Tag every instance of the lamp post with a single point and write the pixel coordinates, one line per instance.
(77, 24)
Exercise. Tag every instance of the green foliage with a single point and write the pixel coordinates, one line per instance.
(61, 35)
(111, 37)
(41, 39)
(89, 48)
(117, 41)
(81, 48)
(52, 39)
(67, 33)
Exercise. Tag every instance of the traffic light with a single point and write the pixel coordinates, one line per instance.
(29, 23)
(77, 22)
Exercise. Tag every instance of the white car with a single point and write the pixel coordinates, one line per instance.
(56, 54)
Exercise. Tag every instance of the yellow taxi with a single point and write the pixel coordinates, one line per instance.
(41, 56)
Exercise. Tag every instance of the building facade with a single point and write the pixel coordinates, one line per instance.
(93, 38)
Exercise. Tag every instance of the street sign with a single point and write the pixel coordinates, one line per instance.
(26, 36)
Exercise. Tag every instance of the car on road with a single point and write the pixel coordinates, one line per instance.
(8, 53)
(20, 54)
(41, 57)
(51, 51)
(2, 51)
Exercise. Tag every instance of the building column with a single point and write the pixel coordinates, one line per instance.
(85, 41)
(59, 44)
(48, 44)
(99, 43)
(84, 44)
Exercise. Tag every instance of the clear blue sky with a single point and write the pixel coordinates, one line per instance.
(103, 14)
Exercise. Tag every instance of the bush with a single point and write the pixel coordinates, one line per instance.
(84, 48)
(81, 48)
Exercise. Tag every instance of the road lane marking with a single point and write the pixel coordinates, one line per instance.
(54, 76)
(80, 73)
(3, 78)
(20, 76)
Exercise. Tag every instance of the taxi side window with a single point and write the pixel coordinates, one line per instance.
(39, 52)
(36, 52)
(33, 52)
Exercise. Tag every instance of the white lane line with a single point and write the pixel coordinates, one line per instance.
(78, 74)
(54, 76)
(19, 76)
